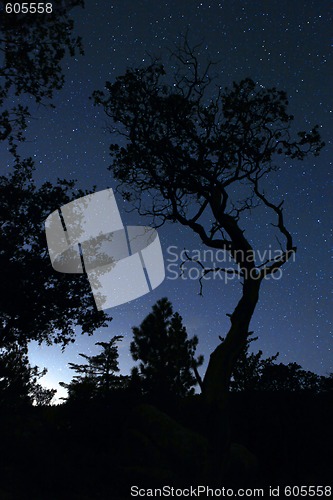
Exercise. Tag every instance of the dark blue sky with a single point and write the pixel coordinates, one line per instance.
(276, 43)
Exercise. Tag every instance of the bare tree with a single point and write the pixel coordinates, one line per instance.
(199, 155)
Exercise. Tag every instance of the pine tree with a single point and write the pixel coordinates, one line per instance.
(99, 376)
(167, 363)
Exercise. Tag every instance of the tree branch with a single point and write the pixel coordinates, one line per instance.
(290, 249)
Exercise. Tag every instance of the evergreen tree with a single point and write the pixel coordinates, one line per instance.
(165, 353)
(99, 375)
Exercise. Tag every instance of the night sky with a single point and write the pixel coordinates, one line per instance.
(276, 43)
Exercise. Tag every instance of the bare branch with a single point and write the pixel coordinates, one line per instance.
(207, 270)
(197, 376)
(290, 249)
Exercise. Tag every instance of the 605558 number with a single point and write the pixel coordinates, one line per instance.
(308, 491)
(29, 8)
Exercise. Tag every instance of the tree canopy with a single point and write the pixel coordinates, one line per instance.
(32, 49)
(37, 303)
(247, 372)
(98, 377)
(19, 380)
(166, 355)
(200, 155)
(252, 372)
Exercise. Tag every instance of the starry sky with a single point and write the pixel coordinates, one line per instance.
(276, 43)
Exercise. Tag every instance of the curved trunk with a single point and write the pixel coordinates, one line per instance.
(221, 362)
(218, 373)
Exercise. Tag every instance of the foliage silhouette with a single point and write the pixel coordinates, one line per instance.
(98, 377)
(36, 302)
(327, 383)
(166, 354)
(289, 378)
(49, 307)
(32, 47)
(19, 381)
(247, 372)
(253, 373)
(202, 160)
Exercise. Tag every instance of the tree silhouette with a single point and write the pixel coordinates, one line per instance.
(247, 372)
(37, 303)
(166, 355)
(19, 380)
(289, 378)
(99, 375)
(327, 383)
(201, 159)
(32, 48)
(253, 373)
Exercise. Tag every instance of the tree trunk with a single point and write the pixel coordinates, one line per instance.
(222, 360)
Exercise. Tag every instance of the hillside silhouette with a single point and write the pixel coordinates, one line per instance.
(114, 431)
